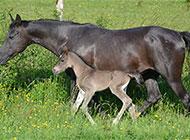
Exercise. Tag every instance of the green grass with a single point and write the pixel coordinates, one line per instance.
(34, 104)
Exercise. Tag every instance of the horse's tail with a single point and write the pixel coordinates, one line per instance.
(186, 38)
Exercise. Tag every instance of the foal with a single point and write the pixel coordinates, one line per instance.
(90, 80)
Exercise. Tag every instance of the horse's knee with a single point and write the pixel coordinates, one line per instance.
(153, 94)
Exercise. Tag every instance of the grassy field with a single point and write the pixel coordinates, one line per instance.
(34, 104)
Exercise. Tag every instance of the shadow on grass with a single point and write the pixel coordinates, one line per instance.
(104, 102)
(26, 77)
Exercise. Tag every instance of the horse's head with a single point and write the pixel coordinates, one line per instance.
(63, 62)
(16, 41)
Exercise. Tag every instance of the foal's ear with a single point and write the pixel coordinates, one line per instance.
(65, 50)
(18, 19)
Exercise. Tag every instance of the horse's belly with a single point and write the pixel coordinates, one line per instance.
(126, 63)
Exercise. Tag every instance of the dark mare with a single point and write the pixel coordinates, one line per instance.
(150, 50)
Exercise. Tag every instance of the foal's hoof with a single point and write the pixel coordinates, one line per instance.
(137, 114)
(93, 123)
(115, 122)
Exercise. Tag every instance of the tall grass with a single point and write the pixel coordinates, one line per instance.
(34, 104)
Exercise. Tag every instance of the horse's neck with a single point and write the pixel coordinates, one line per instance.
(79, 66)
(48, 37)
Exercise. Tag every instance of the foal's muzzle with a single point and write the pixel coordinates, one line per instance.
(55, 71)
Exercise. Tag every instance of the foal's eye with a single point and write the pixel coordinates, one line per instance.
(62, 60)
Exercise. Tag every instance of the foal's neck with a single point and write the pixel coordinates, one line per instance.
(79, 66)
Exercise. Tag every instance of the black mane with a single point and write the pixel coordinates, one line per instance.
(57, 22)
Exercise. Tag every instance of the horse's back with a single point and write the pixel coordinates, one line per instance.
(127, 49)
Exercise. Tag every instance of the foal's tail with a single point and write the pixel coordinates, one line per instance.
(186, 38)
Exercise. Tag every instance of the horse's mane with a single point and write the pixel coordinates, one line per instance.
(57, 22)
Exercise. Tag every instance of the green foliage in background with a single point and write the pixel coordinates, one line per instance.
(34, 104)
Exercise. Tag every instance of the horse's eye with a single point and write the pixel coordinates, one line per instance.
(13, 35)
(62, 60)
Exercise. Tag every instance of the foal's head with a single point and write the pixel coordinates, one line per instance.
(63, 63)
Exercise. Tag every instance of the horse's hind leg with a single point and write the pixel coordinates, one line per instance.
(173, 72)
(152, 87)
(127, 103)
(88, 96)
(180, 91)
(153, 94)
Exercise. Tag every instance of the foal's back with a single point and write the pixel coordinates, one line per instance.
(99, 80)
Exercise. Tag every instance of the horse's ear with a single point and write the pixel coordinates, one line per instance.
(12, 19)
(18, 19)
(65, 50)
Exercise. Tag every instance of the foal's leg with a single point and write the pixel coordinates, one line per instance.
(73, 87)
(73, 91)
(153, 92)
(78, 102)
(127, 103)
(84, 107)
